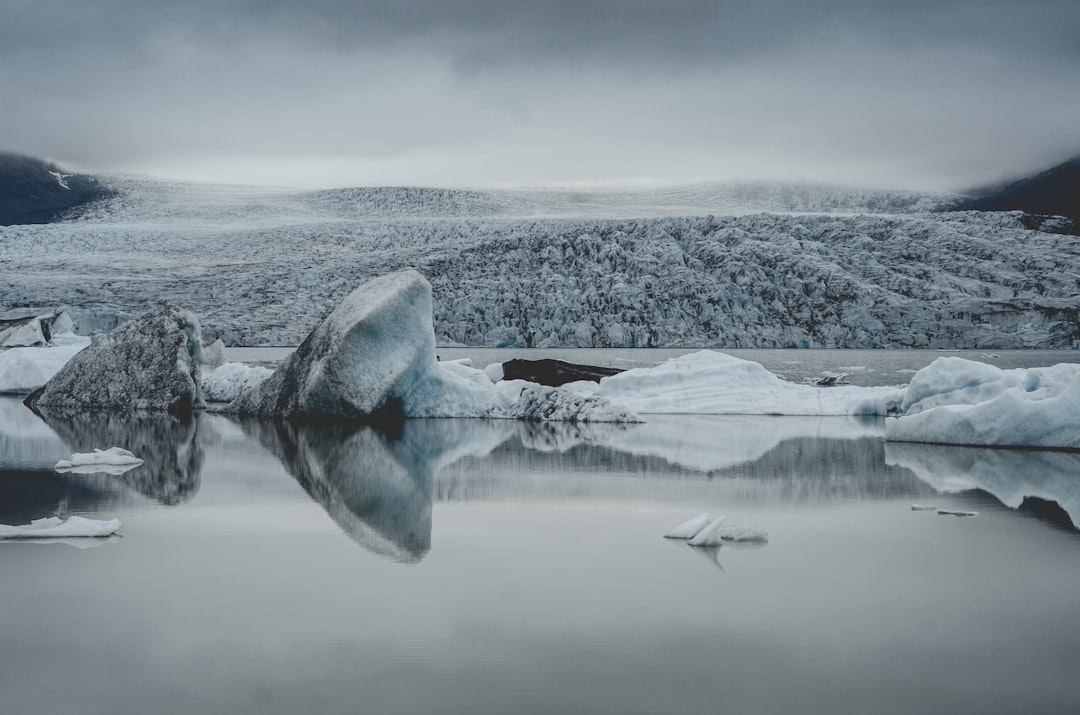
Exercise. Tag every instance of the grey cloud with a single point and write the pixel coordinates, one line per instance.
(929, 94)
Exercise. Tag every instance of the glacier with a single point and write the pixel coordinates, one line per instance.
(260, 268)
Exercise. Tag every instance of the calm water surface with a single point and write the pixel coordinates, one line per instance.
(465, 566)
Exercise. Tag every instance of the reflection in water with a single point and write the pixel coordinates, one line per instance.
(754, 458)
(375, 485)
(172, 456)
(1010, 475)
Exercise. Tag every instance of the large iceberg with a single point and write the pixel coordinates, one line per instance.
(151, 362)
(374, 359)
(957, 401)
(371, 356)
(713, 383)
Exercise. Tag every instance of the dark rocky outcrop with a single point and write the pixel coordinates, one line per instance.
(1054, 192)
(554, 373)
(35, 191)
(150, 363)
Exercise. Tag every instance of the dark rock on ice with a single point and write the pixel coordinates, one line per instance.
(554, 373)
(150, 363)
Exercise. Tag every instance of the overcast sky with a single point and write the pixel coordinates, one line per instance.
(915, 94)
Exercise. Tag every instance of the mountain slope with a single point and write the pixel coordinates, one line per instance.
(35, 191)
(1054, 192)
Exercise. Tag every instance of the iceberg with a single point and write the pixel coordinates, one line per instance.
(147, 363)
(963, 402)
(713, 383)
(57, 528)
(373, 359)
(113, 460)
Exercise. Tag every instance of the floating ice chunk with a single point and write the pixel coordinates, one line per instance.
(952, 512)
(689, 528)
(740, 533)
(708, 536)
(494, 371)
(373, 357)
(708, 382)
(720, 532)
(923, 507)
(113, 460)
(957, 401)
(55, 527)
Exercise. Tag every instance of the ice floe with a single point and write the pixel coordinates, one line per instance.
(55, 527)
(113, 460)
(689, 528)
(957, 401)
(714, 383)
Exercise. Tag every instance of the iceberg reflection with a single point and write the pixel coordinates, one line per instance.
(1010, 475)
(168, 445)
(376, 484)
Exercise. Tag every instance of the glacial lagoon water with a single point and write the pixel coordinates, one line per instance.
(457, 566)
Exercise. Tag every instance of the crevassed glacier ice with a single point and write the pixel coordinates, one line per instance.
(957, 401)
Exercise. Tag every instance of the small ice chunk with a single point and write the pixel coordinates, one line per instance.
(952, 512)
(689, 528)
(923, 507)
(709, 535)
(54, 527)
(742, 533)
(113, 460)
